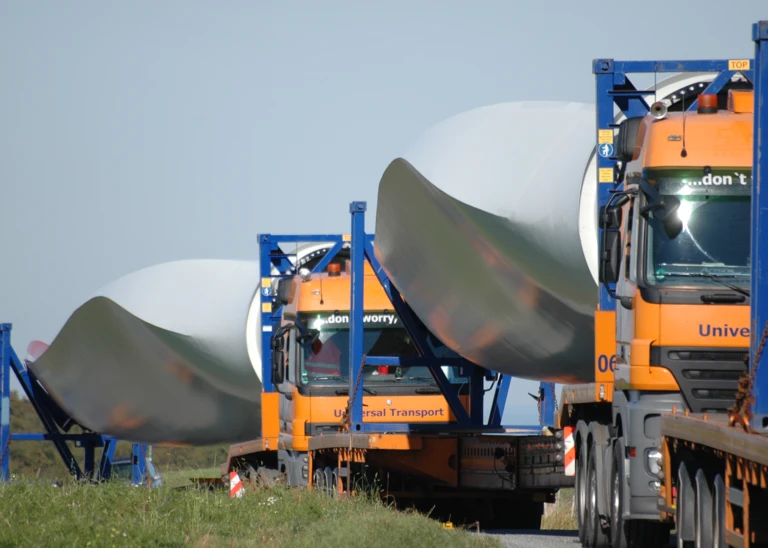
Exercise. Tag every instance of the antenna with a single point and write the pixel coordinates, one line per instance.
(683, 152)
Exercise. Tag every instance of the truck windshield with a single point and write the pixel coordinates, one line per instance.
(713, 248)
(324, 360)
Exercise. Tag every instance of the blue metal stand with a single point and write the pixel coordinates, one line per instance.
(547, 390)
(276, 263)
(759, 299)
(55, 421)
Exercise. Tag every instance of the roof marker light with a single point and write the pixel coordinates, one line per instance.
(707, 103)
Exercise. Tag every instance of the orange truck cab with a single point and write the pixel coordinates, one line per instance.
(315, 360)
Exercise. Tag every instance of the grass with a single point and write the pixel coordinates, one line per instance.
(558, 516)
(38, 514)
(180, 478)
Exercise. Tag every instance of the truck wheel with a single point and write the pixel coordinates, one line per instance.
(618, 482)
(634, 533)
(718, 512)
(330, 485)
(596, 536)
(318, 480)
(684, 507)
(580, 491)
(703, 526)
(331, 478)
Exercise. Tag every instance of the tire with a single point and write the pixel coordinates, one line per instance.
(580, 490)
(635, 533)
(318, 480)
(685, 507)
(329, 486)
(704, 531)
(718, 512)
(596, 536)
(618, 484)
(334, 490)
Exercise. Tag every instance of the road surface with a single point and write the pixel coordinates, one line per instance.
(536, 539)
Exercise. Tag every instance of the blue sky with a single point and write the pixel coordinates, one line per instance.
(134, 133)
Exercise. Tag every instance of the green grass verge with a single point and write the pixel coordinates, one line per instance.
(181, 478)
(38, 514)
(559, 516)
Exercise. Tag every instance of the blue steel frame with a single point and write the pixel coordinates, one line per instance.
(276, 263)
(52, 416)
(759, 221)
(615, 89)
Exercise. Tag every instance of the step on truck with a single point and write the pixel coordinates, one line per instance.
(357, 394)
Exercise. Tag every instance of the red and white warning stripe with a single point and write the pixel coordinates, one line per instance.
(236, 488)
(570, 451)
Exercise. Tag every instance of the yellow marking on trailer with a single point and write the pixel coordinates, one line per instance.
(738, 64)
(604, 136)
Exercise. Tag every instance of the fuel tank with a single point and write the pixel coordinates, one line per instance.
(487, 225)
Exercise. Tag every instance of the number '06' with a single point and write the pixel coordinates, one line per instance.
(603, 363)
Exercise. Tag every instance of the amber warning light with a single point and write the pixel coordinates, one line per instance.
(334, 269)
(707, 103)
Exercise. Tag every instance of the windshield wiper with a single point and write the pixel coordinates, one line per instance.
(345, 391)
(716, 277)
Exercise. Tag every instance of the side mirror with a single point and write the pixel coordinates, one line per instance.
(309, 337)
(609, 257)
(629, 130)
(663, 208)
(668, 216)
(278, 360)
(284, 290)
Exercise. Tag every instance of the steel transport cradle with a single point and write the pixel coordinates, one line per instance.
(520, 459)
(57, 424)
(715, 465)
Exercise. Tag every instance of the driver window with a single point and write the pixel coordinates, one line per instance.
(325, 355)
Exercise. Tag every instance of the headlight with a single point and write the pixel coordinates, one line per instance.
(653, 458)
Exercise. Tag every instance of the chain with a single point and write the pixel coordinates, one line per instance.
(741, 412)
(348, 410)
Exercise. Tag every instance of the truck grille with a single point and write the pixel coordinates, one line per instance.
(708, 377)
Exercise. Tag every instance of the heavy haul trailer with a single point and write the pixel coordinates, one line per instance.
(356, 390)
(670, 333)
(714, 465)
